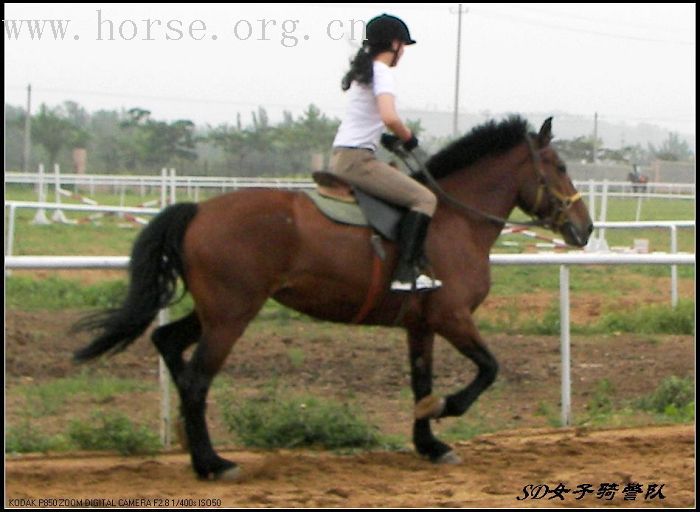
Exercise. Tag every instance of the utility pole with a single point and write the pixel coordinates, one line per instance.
(27, 130)
(459, 46)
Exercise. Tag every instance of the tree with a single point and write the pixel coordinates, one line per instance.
(673, 149)
(158, 143)
(580, 148)
(52, 131)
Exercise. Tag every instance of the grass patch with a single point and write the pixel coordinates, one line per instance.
(674, 399)
(113, 431)
(47, 398)
(54, 293)
(25, 438)
(652, 319)
(278, 419)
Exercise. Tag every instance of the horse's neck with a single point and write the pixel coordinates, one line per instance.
(490, 185)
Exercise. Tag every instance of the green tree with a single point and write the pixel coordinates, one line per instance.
(52, 131)
(158, 143)
(580, 148)
(673, 149)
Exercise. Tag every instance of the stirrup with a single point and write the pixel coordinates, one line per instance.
(422, 283)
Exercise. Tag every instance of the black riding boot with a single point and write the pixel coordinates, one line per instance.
(408, 275)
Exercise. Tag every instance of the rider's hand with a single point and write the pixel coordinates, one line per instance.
(411, 143)
(390, 141)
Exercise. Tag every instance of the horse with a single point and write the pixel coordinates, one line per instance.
(236, 250)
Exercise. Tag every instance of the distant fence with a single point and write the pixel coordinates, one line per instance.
(658, 171)
(144, 184)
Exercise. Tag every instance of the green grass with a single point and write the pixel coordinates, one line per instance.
(44, 399)
(654, 319)
(674, 398)
(26, 438)
(113, 431)
(279, 419)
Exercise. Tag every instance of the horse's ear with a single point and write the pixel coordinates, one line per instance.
(545, 136)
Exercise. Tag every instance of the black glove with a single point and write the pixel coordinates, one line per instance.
(390, 141)
(411, 143)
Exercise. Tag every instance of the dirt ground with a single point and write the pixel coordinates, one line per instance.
(368, 366)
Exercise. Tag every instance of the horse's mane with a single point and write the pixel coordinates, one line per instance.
(490, 138)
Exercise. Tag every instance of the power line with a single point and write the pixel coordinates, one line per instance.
(564, 28)
(158, 97)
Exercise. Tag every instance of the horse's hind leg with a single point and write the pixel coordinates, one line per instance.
(172, 340)
(420, 346)
(194, 381)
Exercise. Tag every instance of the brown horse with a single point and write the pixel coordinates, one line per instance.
(235, 251)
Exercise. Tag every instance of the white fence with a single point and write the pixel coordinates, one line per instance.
(564, 260)
(596, 243)
(168, 178)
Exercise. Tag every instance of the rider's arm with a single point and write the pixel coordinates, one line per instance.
(387, 111)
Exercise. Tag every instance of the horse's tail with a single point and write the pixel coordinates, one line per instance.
(156, 263)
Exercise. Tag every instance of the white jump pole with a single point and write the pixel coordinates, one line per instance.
(40, 217)
(58, 215)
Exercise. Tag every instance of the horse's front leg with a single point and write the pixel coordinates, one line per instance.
(461, 332)
(420, 347)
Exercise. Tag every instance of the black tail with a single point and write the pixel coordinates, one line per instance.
(156, 263)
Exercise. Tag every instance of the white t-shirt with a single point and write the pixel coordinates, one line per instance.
(362, 125)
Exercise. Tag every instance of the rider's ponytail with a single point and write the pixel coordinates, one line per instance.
(362, 66)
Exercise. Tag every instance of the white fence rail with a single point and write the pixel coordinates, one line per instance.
(141, 182)
(564, 260)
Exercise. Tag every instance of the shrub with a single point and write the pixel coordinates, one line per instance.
(113, 431)
(274, 421)
(673, 396)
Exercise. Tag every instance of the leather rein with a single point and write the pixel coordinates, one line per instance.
(554, 221)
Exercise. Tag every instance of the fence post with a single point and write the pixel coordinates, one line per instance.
(674, 268)
(163, 184)
(164, 380)
(173, 187)
(565, 346)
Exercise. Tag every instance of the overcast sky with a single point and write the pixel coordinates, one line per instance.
(207, 62)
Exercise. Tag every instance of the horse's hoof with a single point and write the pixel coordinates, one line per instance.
(429, 407)
(449, 458)
(229, 475)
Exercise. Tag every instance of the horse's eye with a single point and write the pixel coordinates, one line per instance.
(561, 168)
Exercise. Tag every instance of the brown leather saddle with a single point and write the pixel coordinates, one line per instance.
(382, 216)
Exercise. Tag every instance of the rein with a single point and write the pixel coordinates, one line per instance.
(555, 221)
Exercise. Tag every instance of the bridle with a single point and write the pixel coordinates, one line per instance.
(561, 202)
(554, 221)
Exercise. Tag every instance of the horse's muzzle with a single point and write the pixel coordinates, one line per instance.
(576, 236)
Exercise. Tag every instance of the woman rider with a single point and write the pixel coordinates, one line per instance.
(371, 108)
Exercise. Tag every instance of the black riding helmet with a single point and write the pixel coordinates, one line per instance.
(383, 30)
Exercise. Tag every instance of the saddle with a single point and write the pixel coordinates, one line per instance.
(346, 204)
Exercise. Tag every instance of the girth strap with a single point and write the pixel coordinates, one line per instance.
(375, 289)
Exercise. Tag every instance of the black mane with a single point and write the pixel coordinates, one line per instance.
(490, 138)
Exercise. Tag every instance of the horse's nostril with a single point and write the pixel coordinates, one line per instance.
(590, 229)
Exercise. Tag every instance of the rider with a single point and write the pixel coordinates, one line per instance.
(371, 108)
